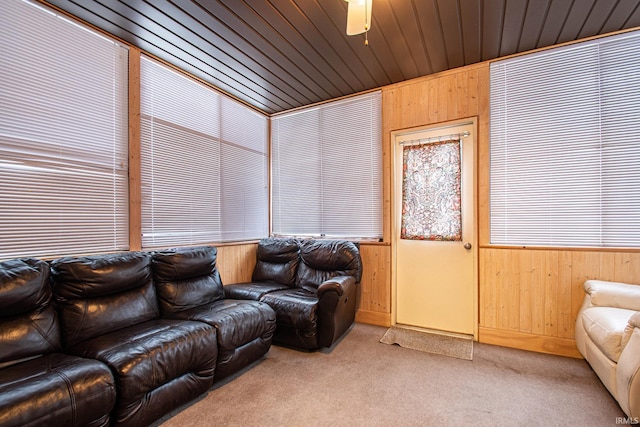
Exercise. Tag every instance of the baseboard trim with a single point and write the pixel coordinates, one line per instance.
(373, 318)
(523, 341)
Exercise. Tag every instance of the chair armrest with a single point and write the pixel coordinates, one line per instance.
(613, 294)
(338, 284)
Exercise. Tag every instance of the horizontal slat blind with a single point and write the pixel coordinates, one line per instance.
(203, 163)
(63, 136)
(244, 174)
(327, 169)
(620, 122)
(564, 126)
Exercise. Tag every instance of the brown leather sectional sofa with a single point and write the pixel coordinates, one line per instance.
(123, 339)
(311, 285)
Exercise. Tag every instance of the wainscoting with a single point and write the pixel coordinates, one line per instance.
(374, 302)
(529, 299)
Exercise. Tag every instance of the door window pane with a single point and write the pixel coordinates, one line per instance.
(431, 206)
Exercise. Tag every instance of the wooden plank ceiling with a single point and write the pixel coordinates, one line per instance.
(280, 54)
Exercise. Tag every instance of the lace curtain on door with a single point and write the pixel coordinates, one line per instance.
(431, 195)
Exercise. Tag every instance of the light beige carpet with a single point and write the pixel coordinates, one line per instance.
(446, 345)
(360, 382)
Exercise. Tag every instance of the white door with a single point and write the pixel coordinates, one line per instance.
(434, 231)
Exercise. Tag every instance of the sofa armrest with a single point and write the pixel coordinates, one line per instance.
(635, 320)
(336, 308)
(628, 372)
(613, 294)
(337, 284)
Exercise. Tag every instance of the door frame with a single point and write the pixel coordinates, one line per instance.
(395, 135)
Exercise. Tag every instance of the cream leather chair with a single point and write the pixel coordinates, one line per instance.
(608, 336)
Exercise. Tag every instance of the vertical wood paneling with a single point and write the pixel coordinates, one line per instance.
(503, 283)
(626, 266)
(487, 296)
(388, 118)
(545, 288)
(432, 102)
(374, 297)
(565, 296)
(443, 98)
(462, 94)
(453, 95)
(135, 189)
(527, 280)
(584, 266)
(482, 178)
(537, 304)
(236, 262)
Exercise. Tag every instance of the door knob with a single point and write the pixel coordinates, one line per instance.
(467, 245)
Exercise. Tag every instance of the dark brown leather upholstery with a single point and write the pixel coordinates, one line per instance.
(189, 287)
(109, 312)
(277, 262)
(297, 317)
(321, 260)
(39, 385)
(315, 308)
(276, 267)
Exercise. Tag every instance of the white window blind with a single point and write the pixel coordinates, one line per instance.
(327, 172)
(203, 163)
(564, 146)
(63, 136)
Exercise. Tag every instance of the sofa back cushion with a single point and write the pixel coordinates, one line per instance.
(28, 322)
(321, 260)
(277, 261)
(186, 278)
(103, 293)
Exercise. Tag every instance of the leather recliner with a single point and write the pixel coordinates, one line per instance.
(311, 285)
(189, 287)
(109, 312)
(38, 384)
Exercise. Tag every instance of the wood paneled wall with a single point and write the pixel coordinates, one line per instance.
(529, 298)
(236, 262)
(374, 297)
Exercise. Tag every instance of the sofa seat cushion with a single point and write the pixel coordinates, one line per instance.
(56, 389)
(244, 328)
(294, 307)
(296, 316)
(608, 328)
(151, 354)
(237, 321)
(252, 291)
